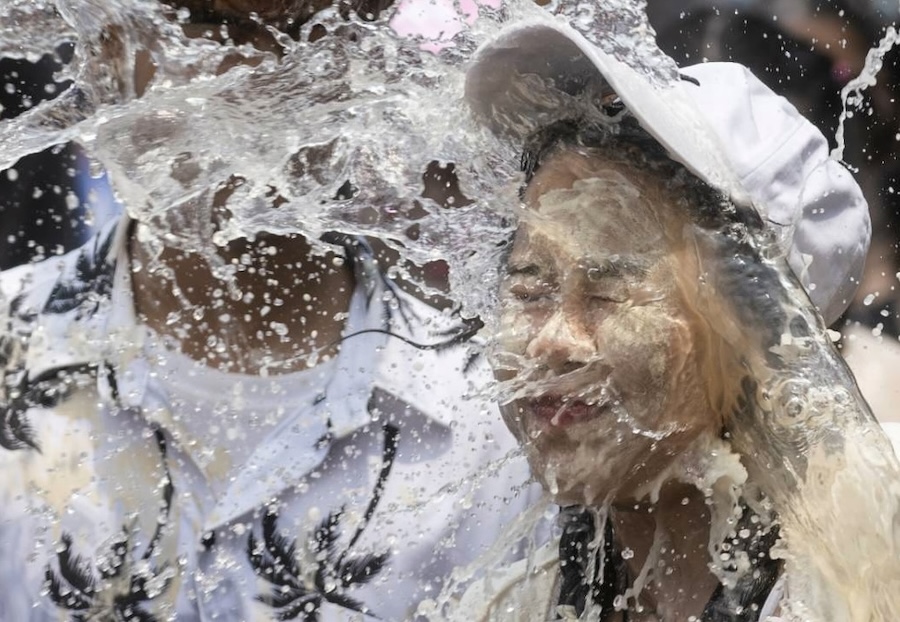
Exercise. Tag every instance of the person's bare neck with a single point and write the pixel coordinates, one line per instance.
(252, 306)
(676, 531)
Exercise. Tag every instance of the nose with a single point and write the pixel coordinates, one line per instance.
(563, 343)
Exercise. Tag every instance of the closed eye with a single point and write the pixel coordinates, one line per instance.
(617, 297)
(530, 291)
(612, 280)
(527, 283)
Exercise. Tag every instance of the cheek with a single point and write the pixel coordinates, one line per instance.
(517, 325)
(637, 341)
(653, 356)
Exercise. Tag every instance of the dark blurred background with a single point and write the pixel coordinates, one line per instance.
(49, 202)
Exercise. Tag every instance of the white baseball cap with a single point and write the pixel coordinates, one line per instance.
(721, 122)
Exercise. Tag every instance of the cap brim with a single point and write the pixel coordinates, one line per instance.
(502, 91)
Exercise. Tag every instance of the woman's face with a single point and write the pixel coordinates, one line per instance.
(601, 359)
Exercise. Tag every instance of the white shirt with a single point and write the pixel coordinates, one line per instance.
(371, 480)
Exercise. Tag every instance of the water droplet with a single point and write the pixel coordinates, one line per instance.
(72, 201)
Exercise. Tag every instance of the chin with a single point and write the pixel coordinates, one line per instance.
(594, 468)
(581, 472)
(591, 455)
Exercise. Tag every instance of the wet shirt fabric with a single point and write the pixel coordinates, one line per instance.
(128, 492)
(531, 587)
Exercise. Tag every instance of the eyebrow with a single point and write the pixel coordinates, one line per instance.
(611, 267)
(618, 266)
(530, 269)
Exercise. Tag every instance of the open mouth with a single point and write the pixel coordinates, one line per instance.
(558, 412)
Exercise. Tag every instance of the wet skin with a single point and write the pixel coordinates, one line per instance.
(596, 338)
(284, 279)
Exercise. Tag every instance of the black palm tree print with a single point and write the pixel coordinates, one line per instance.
(302, 579)
(15, 432)
(18, 391)
(117, 587)
(92, 281)
(22, 392)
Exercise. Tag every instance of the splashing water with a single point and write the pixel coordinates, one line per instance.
(328, 115)
(337, 134)
(851, 94)
(31, 29)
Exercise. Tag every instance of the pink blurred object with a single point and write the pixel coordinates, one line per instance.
(436, 22)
